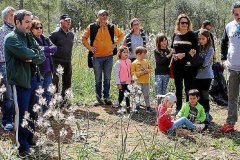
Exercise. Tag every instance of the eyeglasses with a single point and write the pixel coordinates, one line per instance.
(103, 15)
(182, 23)
(38, 28)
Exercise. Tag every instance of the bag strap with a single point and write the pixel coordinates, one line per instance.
(93, 32)
(94, 29)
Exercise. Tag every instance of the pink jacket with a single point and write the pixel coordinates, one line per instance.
(123, 72)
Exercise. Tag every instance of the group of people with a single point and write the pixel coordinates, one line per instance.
(28, 60)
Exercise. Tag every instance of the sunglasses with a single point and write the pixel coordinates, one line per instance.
(38, 28)
(103, 15)
(184, 23)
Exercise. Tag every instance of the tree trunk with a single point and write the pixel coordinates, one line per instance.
(164, 17)
(21, 4)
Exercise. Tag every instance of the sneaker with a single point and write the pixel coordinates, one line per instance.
(199, 127)
(99, 102)
(8, 127)
(227, 128)
(136, 109)
(108, 102)
(150, 110)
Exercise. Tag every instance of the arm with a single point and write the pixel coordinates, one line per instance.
(202, 115)
(85, 38)
(119, 35)
(117, 71)
(208, 58)
(224, 45)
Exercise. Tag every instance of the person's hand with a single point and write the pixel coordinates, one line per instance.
(197, 122)
(119, 86)
(179, 56)
(92, 49)
(142, 72)
(171, 53)
(192, 52)
(169, 111)
(29, 61)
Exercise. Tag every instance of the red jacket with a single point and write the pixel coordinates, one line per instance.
(164, 120)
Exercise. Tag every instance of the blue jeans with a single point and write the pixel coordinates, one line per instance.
(47, 80)
(7, 102)
(26, 99)
(161, 83)
(102, 65)
(179, 123)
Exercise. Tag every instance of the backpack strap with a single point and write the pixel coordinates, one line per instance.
(128, 40)
(111, 31)
(93, 32)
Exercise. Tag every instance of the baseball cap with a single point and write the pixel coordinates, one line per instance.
(206, 22)
(65, 17)
(170, 96)
(101, 12)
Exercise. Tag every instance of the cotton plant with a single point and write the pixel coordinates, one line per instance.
(56, 115)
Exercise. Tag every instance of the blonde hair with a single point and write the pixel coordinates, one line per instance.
(178, 22)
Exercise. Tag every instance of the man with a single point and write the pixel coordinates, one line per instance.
(208, 26)
(230, 50)
(7, 101)
(102, 49)
(22, 54)
(63, 38)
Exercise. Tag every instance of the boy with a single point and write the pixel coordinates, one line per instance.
(142, 69)
(193, 110)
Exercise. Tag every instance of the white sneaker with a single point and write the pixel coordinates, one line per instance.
(199, 127)
(8, 127)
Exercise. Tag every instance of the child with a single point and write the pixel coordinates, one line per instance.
(122, 70)
(142, 69)
(165, 123)
(162, 58)
(193, 110)
(205, 73)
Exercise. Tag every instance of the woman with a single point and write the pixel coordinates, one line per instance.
(135, 38)
(46, 68)
(184, 41)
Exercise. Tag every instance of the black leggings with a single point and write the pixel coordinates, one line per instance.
(186, 75)
(203, 86)
(121, 95)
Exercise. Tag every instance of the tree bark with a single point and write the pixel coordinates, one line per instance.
(21, 4)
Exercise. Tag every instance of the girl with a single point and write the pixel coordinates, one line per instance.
(165, 123)
(205, 72)
(162, 58)
(122, 70)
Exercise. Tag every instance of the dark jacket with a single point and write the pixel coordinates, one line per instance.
(49, 50)
(64, 43)
(18, 49)
(162, 62)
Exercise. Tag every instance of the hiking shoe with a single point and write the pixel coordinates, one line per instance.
(108, 102)
(8, 127)
(99, 102)
(227, 128)
(136, 109)
(199, 127)
(150, 110)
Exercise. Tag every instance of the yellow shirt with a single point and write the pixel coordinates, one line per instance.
(141, 65)
(103, 42)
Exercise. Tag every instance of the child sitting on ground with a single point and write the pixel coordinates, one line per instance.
(193, 110)
(164, 120)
